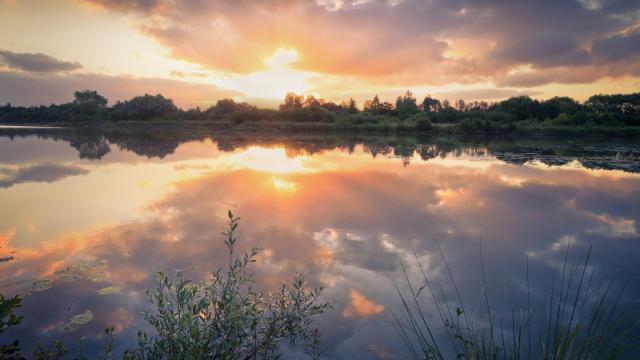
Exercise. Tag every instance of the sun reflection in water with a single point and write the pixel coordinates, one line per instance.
(283, 185)
(273, 160)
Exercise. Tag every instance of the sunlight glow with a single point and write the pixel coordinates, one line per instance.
(273, 83)
(282, 58)
(283, 185)
(268, 160)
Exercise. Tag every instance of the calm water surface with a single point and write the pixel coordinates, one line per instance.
(89, 219)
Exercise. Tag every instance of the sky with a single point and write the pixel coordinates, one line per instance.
(199, 51)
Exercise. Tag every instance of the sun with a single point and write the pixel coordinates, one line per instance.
(276, 80)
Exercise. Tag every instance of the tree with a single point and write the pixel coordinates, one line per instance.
(372, 105)
(349, 106)
(406, 104)
(144, 107)
(292, 101)
(312, 101)
(430, 104)
(620, 103)
(520, 107)
(89, 102)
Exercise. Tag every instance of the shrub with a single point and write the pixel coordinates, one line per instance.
(422, 121)
(225, 318)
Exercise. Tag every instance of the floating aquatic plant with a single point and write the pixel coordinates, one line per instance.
(77, 321)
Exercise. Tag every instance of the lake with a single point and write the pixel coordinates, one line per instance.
(88, 218)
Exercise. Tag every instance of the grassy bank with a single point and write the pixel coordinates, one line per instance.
(601, 115)
(381, 126)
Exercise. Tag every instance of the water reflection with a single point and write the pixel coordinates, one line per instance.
(118, 207)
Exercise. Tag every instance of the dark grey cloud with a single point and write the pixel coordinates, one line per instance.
(46, 173)
(618, 48)
(27, 89)
(545, 49)
(37, 62)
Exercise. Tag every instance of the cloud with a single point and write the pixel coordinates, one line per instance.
(405, 41)
(40, 63)
(618, 48)
(32, 89)
(46, 173)
(361, 306)
(544, 50)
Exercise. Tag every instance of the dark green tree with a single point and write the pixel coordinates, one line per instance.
(292, 101)
(430, 105)
(406, 104)
(89, 102)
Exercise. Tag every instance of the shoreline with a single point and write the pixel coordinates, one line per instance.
(452, 129)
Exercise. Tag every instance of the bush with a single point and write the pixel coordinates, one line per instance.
(225, 318)
(365, 118)
(422, 121)
(309, 114)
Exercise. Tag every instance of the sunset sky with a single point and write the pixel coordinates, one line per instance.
(198, 51)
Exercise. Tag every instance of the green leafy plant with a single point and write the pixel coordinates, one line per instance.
(224, 317)
(8, 318)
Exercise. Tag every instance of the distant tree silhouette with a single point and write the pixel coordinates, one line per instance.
(89, 102)
(372, 105)
(430, 104)
(406, 104)
(144, 107)
(349, 106)
(621, 103)
(292, 101)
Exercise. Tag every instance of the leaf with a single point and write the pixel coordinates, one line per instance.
(77, 321)
(109, 290)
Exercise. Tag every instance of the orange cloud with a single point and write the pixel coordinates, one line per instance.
(406, 42)
(361, 306)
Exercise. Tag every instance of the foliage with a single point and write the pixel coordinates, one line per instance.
(618, 103)
(430, 105)
(292, 101)
(375, 106)
(89, 102)
(225, 317)
(519, 114)
(143, 108)
(313, 114)
(8, 318)
(422, 121)
(406, 104)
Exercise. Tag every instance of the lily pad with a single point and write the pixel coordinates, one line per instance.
(77, 321)
(40, 285)
(65, 275)
(109, 290)
(93, 272)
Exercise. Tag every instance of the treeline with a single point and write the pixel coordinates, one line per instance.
(406, 113)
